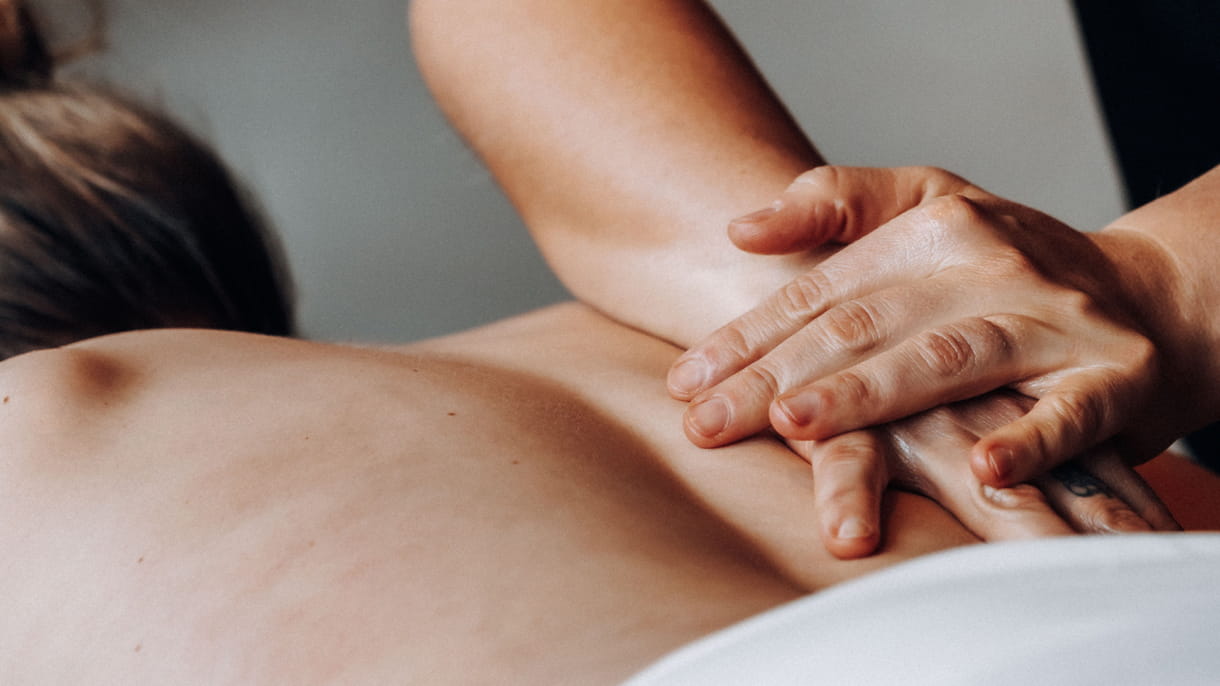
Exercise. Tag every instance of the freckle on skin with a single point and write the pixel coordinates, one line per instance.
(516, 461)
(312, 543)
(452, 414)
(139, 646)
(6, 398)
(140, 561)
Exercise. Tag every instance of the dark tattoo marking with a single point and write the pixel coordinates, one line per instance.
(1079, 482)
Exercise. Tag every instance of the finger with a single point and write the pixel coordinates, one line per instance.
(931, 450)
(883, 261)
(839, 204)
(1088, 503)
(1012, 513)
(945, 364)
(1094, 494)
(849, 477)
(1128, 485)
(750, 336)
(839, 338)
(720, 418)
(913, 246)
(824, 204)
(1083, 410)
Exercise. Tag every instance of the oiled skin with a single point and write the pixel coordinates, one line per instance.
(515, 503)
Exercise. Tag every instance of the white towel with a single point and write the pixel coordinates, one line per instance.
(1135, 609)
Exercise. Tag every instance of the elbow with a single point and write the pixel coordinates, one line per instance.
(432, 29)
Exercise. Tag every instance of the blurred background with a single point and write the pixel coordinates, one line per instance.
(394, 231)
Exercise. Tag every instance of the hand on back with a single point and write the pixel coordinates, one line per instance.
(943, 292)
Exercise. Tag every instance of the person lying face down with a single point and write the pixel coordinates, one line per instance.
(114, 218)
(215, 507)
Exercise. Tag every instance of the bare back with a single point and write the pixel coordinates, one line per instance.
(516, 503)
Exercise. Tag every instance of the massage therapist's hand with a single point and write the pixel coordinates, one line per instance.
(945, 292)
(1095, 494)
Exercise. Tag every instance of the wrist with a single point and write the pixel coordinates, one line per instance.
(1174, 306)
(1167, 256)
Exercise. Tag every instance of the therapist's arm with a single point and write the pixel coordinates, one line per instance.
(627, 133)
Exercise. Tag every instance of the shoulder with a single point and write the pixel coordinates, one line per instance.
(69, 393)
(568, 343)
(99, 369)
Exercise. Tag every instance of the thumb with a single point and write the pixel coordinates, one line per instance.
(832, 204)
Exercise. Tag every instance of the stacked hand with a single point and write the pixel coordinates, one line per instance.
(1098, 493)
(943, 292)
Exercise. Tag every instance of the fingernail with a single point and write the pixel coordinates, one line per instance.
(710, 417)
(758, 216)
(1001, 460)
(688, 377)
(1004, 497)
(800, 409)
(854, 527)
(993, 494)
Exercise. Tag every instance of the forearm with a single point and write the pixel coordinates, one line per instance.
(1174, 279)
(627, 134)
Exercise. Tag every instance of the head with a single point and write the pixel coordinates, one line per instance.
(113, 218)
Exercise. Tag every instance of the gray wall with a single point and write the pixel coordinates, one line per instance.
(396, 233)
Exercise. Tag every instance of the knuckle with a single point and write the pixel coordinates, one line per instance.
(823, 178)
(830, 196)
(852, 326)
(1003, 333)
(1111, 515)
(1141, 356)
(1009, 221)
(847, 211)
(855, 450)
(956, 209)
(1009, 262)
(848, 472)
(1078, 304)
(805, 295)
(1124, 519)
(947, 351)
(850, 389)
(759, 377)
(1079, 414)
(841, 495)
(995, 339)
(730, 344)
